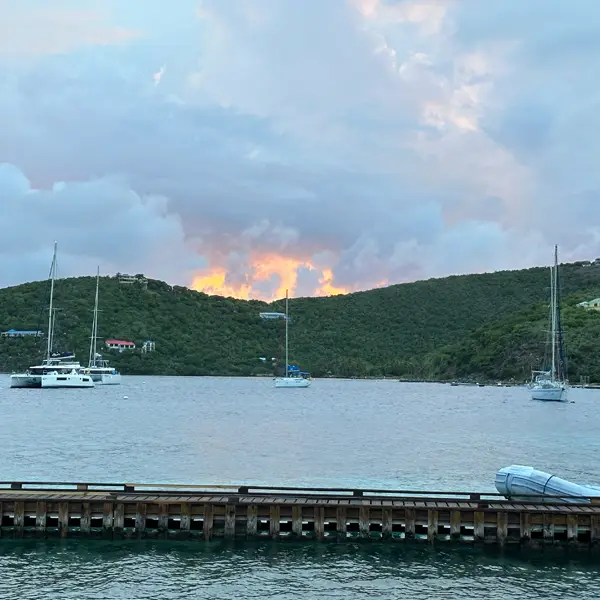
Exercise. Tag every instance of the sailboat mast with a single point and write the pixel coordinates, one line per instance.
(287, 364)
(553, 320)
(92, 359)
(51, 306)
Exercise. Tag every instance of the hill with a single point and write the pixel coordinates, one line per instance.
(490, 325)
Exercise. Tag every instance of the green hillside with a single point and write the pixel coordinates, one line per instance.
(489, 326)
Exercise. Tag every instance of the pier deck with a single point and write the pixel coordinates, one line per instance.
(205, 512)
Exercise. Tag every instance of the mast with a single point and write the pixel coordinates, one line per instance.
(553, 318)
(287, 365)
(92, 359)
(51, 307)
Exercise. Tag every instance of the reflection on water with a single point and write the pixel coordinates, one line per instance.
(104, 570)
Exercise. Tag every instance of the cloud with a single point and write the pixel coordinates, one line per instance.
(252, 146)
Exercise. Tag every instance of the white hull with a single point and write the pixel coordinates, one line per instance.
(25, 381)
(107, 378)
(549, 394)
(291, 382)
(67, 380)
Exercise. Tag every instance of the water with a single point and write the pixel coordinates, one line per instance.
(346, 433)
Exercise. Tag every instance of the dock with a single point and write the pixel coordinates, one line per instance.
(206, 512)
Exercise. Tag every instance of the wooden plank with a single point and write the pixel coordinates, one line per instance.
(19, 518)
(119, 520)
(229, 520)
(525, 526)
(274, 520)
(107, 520)
(455, 524)
(319, 517)
(479, 526)
(63, 519)
(297, 520)
(432, 525)
(341, 522)
(140, 518)
(364, 515)
(163, 520)
(386, 523)
(208, 521)
(548, 528)
(410, 525)
(252, 520)
(572, 528)
(595, 530)
(40, 518)
(85, 520)
(502, 527)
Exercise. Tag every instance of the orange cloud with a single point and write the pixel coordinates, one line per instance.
(263, 268)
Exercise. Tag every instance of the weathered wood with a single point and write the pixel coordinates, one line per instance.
(19, 519)
(432, 525)
(63, 519)
(297, 520)
(185, 522)
(386, 523)
(548, 529)
(140, 519)
(319, 522)
(572, 528)
(119, 520)
(410, 524)
(252, 520)
(274, 518)
(595, 530)
(229, 521)
(163, 520)
(479, 526)
(107, 520)
(525, 519)
(208, 521)
(501, 527)
(455, 524)
(85, 521)
(40, 518)
(341, 523)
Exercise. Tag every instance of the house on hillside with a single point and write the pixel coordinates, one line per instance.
(119, 345)
(590, 304)
(21, 333)
(267, 316)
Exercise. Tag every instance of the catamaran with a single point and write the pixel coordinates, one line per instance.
(552, 385)
(98, 367)
(59, 369)
(293, 377)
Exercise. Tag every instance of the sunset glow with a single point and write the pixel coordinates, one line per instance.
(282, 270)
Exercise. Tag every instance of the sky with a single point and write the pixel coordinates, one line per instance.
(246, 147)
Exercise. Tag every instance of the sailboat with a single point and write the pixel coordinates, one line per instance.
(58, 369)
(98, 367)
(292, 378)
(552, 385)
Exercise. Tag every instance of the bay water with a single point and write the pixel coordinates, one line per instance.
(378, 433)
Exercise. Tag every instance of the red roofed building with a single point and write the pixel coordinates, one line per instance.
(119, 345)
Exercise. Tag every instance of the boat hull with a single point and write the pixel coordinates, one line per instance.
(25, 381)
(292, 382)
(67, 380)
(549, 394)
(107, 378)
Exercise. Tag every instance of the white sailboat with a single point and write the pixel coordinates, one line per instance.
(291, 378)
(552, 385)
(98, 367)
(58, 370)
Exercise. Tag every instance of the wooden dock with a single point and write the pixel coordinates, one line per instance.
(205, 512)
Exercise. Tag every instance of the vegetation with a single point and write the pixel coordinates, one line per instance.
(489, 327)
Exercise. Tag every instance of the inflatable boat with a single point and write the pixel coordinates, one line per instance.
(517, 481)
